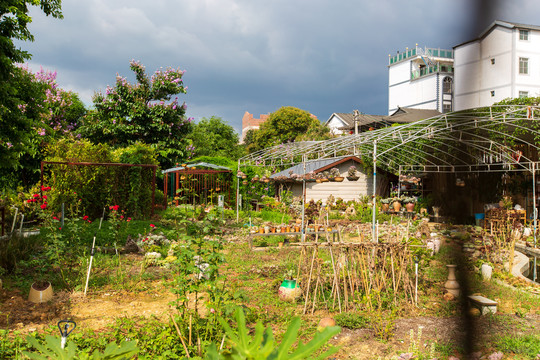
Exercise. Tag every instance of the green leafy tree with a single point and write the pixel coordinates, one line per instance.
(214, 137)
(15, 127)
(47, 113)
(143, 112)
(287, 124)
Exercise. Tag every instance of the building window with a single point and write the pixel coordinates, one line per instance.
(524, 35)
(447, 85)
(446, 107)
(492, 92)
(523, 65)
(493, 61)
(523, 94)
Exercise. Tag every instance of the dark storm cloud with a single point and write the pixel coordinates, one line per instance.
(245, 55)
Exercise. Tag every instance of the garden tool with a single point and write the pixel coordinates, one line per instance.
(90, 265)
(66, 331)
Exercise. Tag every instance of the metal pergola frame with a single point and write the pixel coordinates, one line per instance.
(469, 141)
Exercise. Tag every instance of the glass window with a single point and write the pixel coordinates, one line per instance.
(524, 35)
(492, 93)
(523, 65)
(447, 85)
(446, 107)
(493, 61)
(523, 94)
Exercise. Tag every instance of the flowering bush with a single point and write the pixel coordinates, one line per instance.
(144, 112)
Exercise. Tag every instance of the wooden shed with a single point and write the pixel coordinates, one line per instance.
(346, 190)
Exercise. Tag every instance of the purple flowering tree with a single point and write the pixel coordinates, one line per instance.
(148, 112)
(45, 113)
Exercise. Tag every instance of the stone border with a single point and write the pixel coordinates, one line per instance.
(521, 265)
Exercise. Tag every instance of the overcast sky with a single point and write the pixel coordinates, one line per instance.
(323, 56)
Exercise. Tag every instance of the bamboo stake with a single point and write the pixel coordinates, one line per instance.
(316, 286)
(393, 276)
(336, 279)
(180, 335)
(309, 279)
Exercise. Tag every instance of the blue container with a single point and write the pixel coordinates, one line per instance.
(478, 218)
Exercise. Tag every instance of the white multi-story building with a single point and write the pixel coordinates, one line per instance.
(421, 78)
(503, 62)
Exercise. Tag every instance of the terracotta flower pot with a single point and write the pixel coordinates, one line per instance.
(396, 205)
(409, 207)
(40, 294)
(385, 207)
(339, 178)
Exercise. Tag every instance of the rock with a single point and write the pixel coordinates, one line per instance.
(325, 322)
(449, 297)
(474, 312)
(131, 246)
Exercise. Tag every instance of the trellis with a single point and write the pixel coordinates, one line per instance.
(469, 141)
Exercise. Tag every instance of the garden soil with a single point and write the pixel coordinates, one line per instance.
(96, 311)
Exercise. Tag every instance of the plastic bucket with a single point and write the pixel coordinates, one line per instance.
(478, 217)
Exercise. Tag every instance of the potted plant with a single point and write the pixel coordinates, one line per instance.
(335, 175)
(318, 177)
(325, 176)
(310, 176)
(255, 178)
(240, 174)
(352, 173)
(385, 204)
(396, 204)
(409, 203)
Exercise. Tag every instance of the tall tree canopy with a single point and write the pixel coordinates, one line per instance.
(15, 126)
(287, 124)
(47, 113)
(214, 137)
(143, 112)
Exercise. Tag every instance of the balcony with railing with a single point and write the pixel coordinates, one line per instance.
(418, 51)
(432, 69)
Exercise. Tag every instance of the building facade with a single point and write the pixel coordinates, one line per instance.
(503, 62)
(421, 78)
(251, 123)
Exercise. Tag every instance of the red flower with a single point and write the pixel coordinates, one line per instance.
(55, 218)
(85, 217)
(36, 196)
(44, 206)
(44, 197)
(89, 221)
(30, 201)
(114, 207)
(152, 225)
(121, 216)
(59, 228)
(128, 219)
(45, 188)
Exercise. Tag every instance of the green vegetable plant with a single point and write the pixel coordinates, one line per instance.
(263, 345)
(51, 349)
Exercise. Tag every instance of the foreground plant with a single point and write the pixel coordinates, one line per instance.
(263, 345)
(52, 350)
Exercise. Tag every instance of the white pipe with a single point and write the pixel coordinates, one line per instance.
(374, 208)
(237, 192)
(90, 265)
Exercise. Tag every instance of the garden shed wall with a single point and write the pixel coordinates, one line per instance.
(347, 190)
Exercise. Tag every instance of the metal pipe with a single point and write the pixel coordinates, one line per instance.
(374, 209)
(237, 193)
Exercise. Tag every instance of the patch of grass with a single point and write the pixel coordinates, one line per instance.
(351, 320)
(528, 345)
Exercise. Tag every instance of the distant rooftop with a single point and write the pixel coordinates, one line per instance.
(418, 51)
